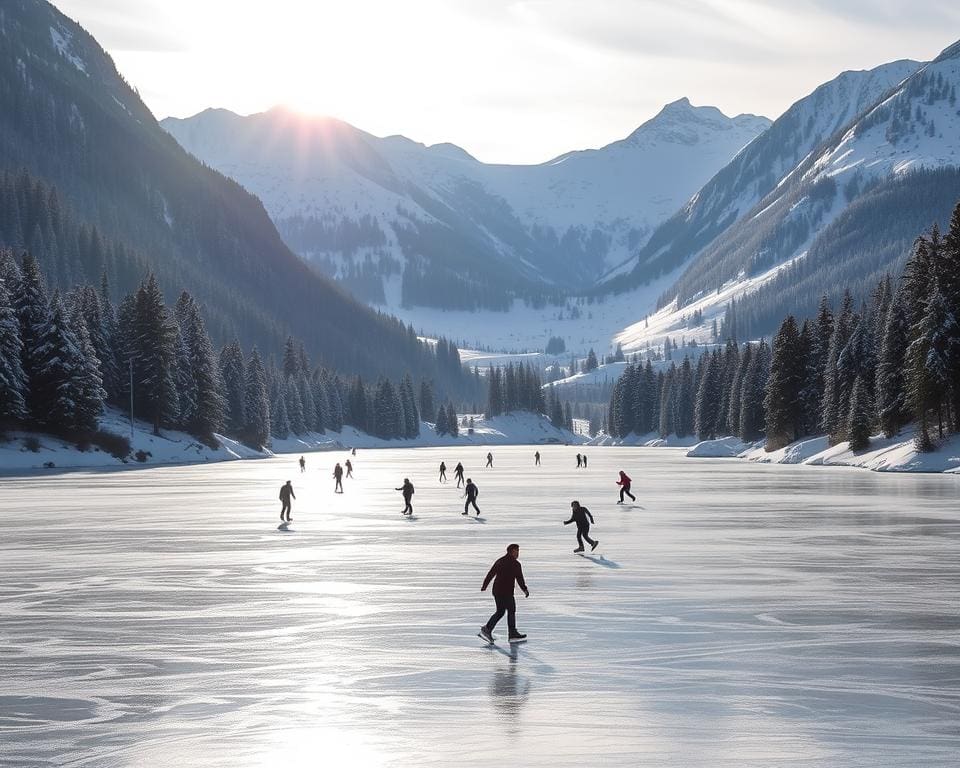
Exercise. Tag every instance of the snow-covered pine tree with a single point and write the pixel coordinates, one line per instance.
(292, 404)
(752, 417)
(567, 417)
(665, 422)
(950, 284)
(114, 369)
(590, 364)
(736, 390)
(233, 375)
(256, 403)
(426, 399)
(279, 420)
(291, 360)
(891, 396)
(186, 389)
(731, 361)
(709, 397)
(859, 419)
(305, 389)
(154, 340)
(410, 411)
(441, 427)
(100, 326)
(320, 402)
(33, 314)
(207, 385)
(13, 381)
(686, 399)
(783, 403)
(335, 400)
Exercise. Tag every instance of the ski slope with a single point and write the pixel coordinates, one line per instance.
(741, 616)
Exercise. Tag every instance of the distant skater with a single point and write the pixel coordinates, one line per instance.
(443, 472)
(407, 489)
(504, 573)
(349, 465)
(458, 473)
(303, 464)
(582, 517)
(584, 461)
(624, 483)
(353, 452)
(536, 459)
(338, 477)
(489, 459)
(286, 493)
(472, 493)
(579, 461)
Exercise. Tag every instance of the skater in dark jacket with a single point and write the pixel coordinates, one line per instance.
(458, 473)
(472, 493)
(338, 478)
(286, 493)
(349, 467)
(504, 573)
(443, 472)
(303, 464)
(407, 489)
(579, 461)
(582, 517)
(489, 459)
(624, 483)
(584, 457)
(536, 459)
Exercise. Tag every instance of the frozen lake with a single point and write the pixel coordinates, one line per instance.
(741, 616)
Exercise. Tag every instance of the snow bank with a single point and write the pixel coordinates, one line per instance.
(175, 447)
(724, 447)
(649, 440)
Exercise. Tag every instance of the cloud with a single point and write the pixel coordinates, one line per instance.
(121, 25)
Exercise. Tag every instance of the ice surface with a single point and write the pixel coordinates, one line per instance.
(738, 615)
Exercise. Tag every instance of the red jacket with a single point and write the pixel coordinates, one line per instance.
(624, 480)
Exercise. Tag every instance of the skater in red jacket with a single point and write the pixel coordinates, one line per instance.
(624, 483)
(504, 573)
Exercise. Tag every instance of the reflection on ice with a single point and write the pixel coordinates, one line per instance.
(738, 617)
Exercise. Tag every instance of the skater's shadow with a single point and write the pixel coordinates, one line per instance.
(601, 560)
(509, 691)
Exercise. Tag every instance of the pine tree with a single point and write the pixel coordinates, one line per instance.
(709, 397)
(783, 403)
(256, 403)
(426, 398)
(13, 381)
(279, 420)
(891, 397)
(388, 416)
(667, 396)
(441, 427)
(752, 417)
(320, 400)
(686, 399)
(33, 314)
(590, 364)
(292, 403)
(335, 399)
(410, 412)
(736, 390)
(452, 420)
(859, 421)
(305, 390)
(233, 375)
(154, 340)
(186, 389)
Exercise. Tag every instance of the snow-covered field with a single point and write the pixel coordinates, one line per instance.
(737, 616)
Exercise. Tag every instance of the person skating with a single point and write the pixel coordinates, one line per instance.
(579, 461)
(472, 492)
(489, 459)
(353, 452)
(624, 483)
(349, 465)
(504, 573)
(286, 493)
(338, 478)
(443, 472)
(303, 464)
(584, 461)
(536, 459)
(458, 473)
(407, 489)
(582, 517)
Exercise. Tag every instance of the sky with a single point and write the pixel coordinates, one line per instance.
(514, 81)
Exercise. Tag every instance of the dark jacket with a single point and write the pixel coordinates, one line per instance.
(338, 471)
(504, 573)
(458, 469)
(581, 516)
(624, 480)
(407, 489)
(471, 490)
(286, 491)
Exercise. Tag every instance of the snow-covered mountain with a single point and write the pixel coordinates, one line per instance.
(460, 231)
(842, 217)
(751, 175)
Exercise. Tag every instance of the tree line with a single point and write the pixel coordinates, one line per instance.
(891, 361)
(65, 356)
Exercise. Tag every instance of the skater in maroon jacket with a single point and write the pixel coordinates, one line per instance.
(504, 573)
(624, 483)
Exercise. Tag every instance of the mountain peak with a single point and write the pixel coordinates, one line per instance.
(681, 122)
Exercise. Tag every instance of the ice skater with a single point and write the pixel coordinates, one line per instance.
(472, 492)
(579, 461)
(489, 459)
(349, 465)
(286, 493)
(624, 483)
(458, 473)
(338, 478)
(536, 459)
(303, 464)
(582, 517)
(584, 461)
(504, 572)
(443, 472)
(407, 489)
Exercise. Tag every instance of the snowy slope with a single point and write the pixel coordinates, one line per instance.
(340, 195)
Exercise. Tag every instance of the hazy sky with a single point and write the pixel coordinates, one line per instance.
(508, 80)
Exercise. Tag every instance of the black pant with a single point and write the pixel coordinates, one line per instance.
(409, 507)
(285, 509)
(471, 500)
(443, 475)
(338, 485)
(506, 604)
(625, 489)
(459, 480)
(583, 532)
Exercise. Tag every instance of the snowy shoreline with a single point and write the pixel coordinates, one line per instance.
(175, 448)
(895, 454)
